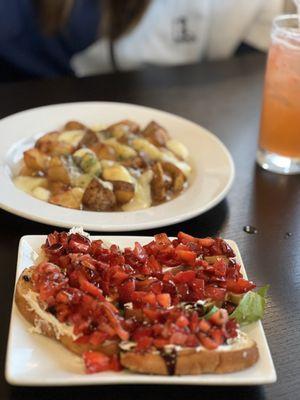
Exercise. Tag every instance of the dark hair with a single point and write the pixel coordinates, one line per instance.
(118, 16)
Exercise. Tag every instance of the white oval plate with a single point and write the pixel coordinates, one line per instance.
(213, 168)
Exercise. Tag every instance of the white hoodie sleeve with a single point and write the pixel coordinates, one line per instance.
(258, 35)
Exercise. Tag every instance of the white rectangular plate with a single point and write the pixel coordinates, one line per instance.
(35, 360)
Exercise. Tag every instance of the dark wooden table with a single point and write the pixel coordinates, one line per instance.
(225, 97)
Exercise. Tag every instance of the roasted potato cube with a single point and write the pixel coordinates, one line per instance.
(50, 144)
(36, 160)
(56, 187)
(47, 142)
(124, 191)
(98, 196)
(156, 134)
(178, 182)
(123, 127)
(70, 198)
(158, 188)
(135, 163)
(178, 177)
(25, 171)
(72, 138)
(104, 151)
(59, 170)
(89, 139)
(73, 126)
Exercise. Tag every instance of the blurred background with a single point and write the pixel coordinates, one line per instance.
(50, 38)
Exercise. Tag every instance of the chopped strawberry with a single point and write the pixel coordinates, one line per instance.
(178, 338)
(95, 361)
(182, 321)
(185, 276)
(204, 325)
(144, 343)
(220, 317)
(97, 338)
(185, 238)
(186, 256)
(164, 299)
(240, 286)
(206, 242)
(88, 287)
(215, 293)
(207, 342)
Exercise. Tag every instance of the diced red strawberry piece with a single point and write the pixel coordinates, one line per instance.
(95, 362)
(194, 320)
(149, 298)
(185, 238)
(231, 328)
(204, 326)
(215, 293)
(182, 321)
(144, 343)
(240, 286)
(97, 338)
(186, 256)
(161, 239)
(185, 276)
(120, 277)
(192, 341)
(156, 287)
(139, 252)
(151, 314)
(220, 317)
(78, 244)
(159, 343)
(206, 242)
(197, 286)
(126, 290)
(178, 338)
(114, 321)
(207, 342)
(115, 364)
(220, 267)
(164, 299)
(217, 336)
(88, 287)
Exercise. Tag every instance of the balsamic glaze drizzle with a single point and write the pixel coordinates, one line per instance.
(170, 359)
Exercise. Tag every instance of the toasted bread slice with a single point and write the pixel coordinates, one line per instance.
(46, 323)
(241, 354)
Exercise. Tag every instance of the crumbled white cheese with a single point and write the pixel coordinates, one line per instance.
(59, 328)
(127, 345)
(79, 230)
(128, 305)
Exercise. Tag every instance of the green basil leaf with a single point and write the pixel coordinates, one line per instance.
(252, 306)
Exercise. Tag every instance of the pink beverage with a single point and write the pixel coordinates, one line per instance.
(279, 141)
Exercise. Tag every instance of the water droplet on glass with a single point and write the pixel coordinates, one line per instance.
(250, 229)
(287, 235)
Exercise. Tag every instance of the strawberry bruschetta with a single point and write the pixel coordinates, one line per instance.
(172, 306)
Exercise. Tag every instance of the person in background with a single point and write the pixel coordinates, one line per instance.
(48, 38)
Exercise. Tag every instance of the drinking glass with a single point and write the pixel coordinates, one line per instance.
(279, 139)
